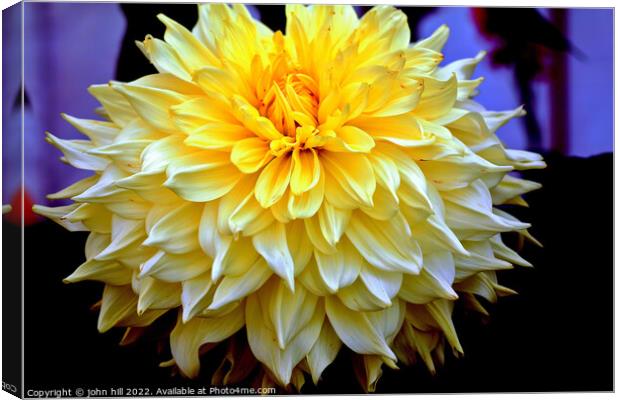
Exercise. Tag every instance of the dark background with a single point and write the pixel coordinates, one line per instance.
(556, 335)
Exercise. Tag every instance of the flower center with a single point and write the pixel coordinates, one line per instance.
(306, 137)
(291, 102)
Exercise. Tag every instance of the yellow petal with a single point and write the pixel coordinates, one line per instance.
(231, 201)
(385, 204)
(251, 154)
(470, 214)
(433, 282)
(289, 312)
(307, 204)
(311, 279)
(403, 130)
(57, 214)
(264, 343)
(299, 245)
(77, 153)
(340, 269)
(441, 311)
(215, 81)
(118, 308)
(163, 56)
(438, 98)
(356, 330)
(333, 222)
(217, 136)
(511, 187)
(433, 234)
(203, 178)
(238, 256)
(306, 171)
(386, 172)
(273, 181)
(193, 53)
(249, 217)
(506, 253)
(313, 230)
(109, 272)
(194, 113)
(152, 104)
(352, 139)
(324, 351)
(173, 233)
(385, 244)
(481, 258)
(187, 338)
(235, 287)
(436, 41)
(383, 285)
(74, 189)
(194, 295)
(100, 132)
(115, 104)
(175, 267)
(156, 294)
(125, 234)
(117, 303)
(249, 116)
(272, 245)
(353, 175)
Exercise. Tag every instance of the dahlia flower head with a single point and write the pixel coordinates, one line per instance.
(291, 193)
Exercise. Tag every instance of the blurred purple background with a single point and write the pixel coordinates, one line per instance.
(69, 46)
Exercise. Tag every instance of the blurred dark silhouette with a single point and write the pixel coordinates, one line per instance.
(523, 38)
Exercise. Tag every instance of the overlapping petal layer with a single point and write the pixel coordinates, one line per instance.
(330, 186)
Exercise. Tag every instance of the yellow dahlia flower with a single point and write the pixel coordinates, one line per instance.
(331, 185)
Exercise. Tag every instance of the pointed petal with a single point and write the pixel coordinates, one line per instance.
(115, 104)
(433, 282)
(385, 244)
(324, 351)
(263, 342)
(233, 288)
(186, 338)
(156, 294)
(340, 269)
(306, 171)
(194, 295)
(176, 232)
(171, 267)
(289, 312)
(353, 174)
(202, 177)
(356, 330)
(308, 203)
(117, 303)
(109, 272)
(271, 244)
(251, 154)
(333, 222)
(273, 181)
